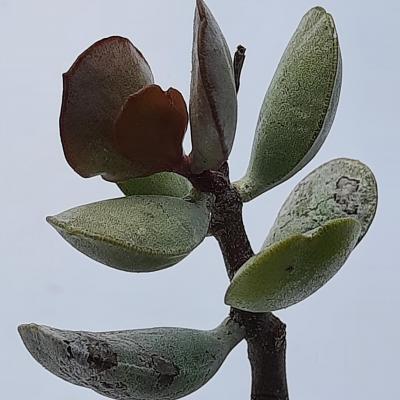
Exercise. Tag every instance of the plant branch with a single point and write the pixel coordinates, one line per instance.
(238, 61)
(265, 333)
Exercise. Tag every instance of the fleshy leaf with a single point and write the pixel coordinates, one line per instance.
(135, 233)
(151, 127)
(163, 183)
(213, 102)
(156, 363)
(338, 189)
(299, 107)
(289, 271)
(95, 89)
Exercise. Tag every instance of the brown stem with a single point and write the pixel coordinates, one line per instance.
(238, 61)
(265, 333)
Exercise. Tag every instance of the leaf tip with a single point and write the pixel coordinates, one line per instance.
(51, 219)
(201, 8)
(24, 328)
(55, 222)
(317, 14)
(27, 333)
(317, 9)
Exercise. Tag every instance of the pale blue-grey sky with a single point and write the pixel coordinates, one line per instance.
(342, 341)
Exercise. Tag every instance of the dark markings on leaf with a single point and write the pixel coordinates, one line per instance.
(346, 188)
(101, 357)
(290, 268)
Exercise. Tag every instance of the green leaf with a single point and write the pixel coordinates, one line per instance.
(299, 106)
(213, 101)
(157, 363)
(163, 183)
(289, 271)
(338, 189)
(136, 233)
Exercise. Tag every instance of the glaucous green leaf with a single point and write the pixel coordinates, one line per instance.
(213, 102)
(143, 364)
(289, 271)
(163, 183)
(94, 90)
(135, 233)
(338, 189)
(299, 107)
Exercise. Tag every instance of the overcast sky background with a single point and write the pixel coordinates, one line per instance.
(343, 342)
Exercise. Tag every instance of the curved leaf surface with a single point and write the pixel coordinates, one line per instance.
(136, 233)
(338, 189)
(299, 107)
(150, 129)
(289, 271)
(95, 89)
(143, 364)
(213, 101)
(163, 183)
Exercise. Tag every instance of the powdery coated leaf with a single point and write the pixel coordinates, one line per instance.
(338, 189)
(163, 183)
(136, 233)
(144, 364)
(299, 107)
(289, 271)
(213, 102)
(95, 88)
(151, 127)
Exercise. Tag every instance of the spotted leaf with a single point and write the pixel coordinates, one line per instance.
(146, 364)
(338, 189)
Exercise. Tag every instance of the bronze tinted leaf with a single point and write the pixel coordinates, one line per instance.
(213, 102)
(95, 88)
(151, 127)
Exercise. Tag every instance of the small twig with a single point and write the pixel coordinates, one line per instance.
(238, 61)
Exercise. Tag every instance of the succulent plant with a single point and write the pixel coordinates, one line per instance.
(116, 123)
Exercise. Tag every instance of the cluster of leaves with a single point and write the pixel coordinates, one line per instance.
(115, 122)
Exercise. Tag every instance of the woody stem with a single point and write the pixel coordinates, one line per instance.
(265, 333)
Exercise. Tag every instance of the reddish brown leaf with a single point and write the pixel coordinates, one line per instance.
(95, 88)
(151, 127)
